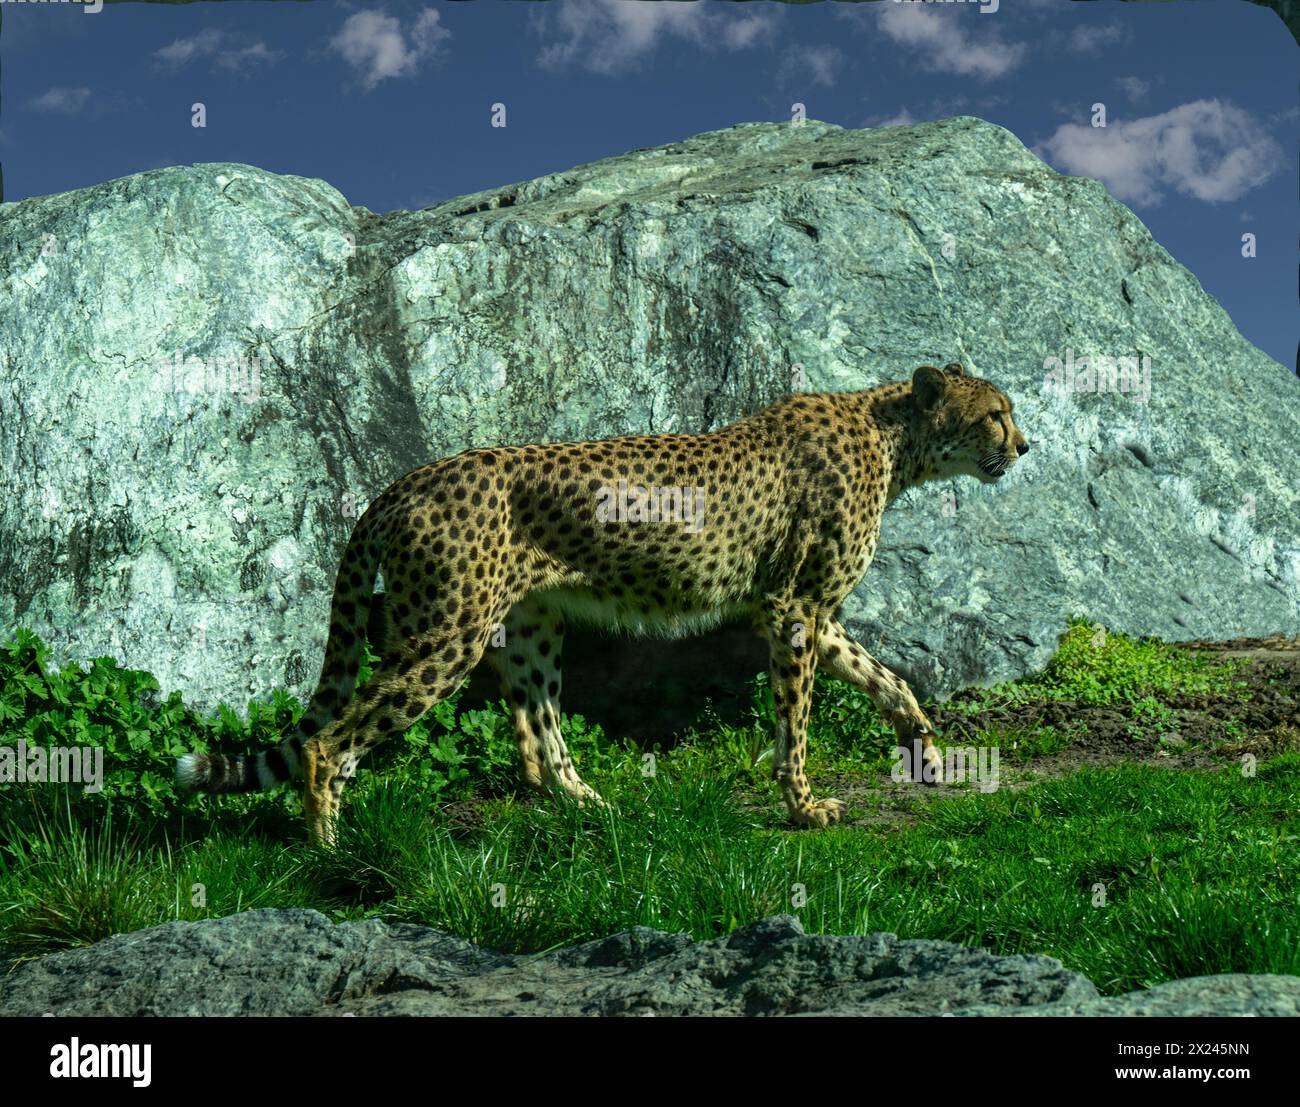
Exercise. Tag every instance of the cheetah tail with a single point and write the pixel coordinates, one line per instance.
(208, 772)
(254, 772)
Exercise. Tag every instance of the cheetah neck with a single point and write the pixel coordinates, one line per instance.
(888, 420)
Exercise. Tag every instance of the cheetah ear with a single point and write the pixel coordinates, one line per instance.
(954, 369)
(928, 385)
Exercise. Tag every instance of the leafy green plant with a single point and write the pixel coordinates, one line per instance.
(1095, 665)
(120, 712)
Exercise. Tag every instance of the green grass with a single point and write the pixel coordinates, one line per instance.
(1094, 665)
(1022, 744)
(1199, 872)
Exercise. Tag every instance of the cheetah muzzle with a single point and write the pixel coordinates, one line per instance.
(774, 519)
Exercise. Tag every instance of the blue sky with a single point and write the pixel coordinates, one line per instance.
(391, 103)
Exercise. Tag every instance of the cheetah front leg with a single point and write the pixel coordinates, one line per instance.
(844, 659)
(792, 643)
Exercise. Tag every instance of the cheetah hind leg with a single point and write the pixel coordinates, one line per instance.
(792, 640)
(407, 681)
(528, 664)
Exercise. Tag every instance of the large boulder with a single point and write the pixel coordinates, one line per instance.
(297, 962)
(207, 371)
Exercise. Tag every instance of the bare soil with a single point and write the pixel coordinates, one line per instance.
(1206, 732)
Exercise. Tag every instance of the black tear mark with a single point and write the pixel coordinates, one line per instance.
(1140, 452)
(1092, 498)
(1123, 291)
(837, 164)
(1224, 546)
(505, 200)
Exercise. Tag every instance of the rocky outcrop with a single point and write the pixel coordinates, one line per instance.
(207, 371)
(296, 962)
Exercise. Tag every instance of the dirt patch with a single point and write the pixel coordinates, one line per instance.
(1272, 645)
(469, 815)
(1202, 732)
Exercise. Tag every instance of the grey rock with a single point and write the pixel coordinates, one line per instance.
(296, 962)
(190, 523)
(1228, 994)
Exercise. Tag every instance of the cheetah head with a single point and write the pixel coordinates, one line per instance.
(965, 425)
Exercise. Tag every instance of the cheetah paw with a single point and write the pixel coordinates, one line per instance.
(583, 795)
(933, 760)
(819, 814)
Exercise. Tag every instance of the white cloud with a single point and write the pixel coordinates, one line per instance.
(610, 36)
(69, 101)
(741, 31)
(1136, 87)
(1087, 39)
(900, 118)
(1205, 149)
(238, 57)
(374, 44)
(943, 38)
(187, 49)
(428, 32)
(225, 50)
(818, 64)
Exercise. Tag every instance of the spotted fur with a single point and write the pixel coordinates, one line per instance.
(494, 550)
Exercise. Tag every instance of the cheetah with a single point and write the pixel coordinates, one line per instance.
(772, 519)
